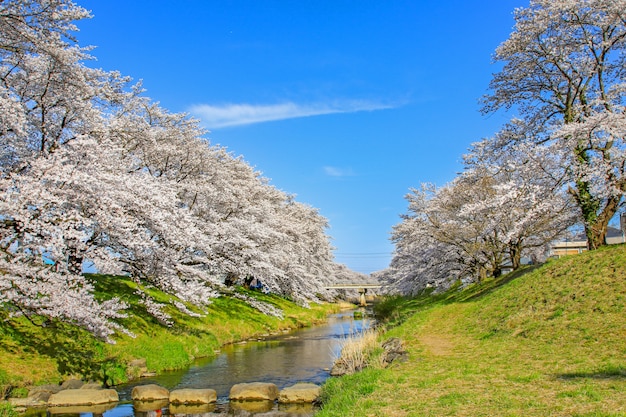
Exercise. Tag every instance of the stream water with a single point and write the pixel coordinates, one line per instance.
(305, 355)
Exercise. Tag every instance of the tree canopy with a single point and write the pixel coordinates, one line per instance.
(564, 71)
(92, 171)
(559, 162)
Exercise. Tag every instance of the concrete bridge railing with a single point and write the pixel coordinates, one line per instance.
(361, 287)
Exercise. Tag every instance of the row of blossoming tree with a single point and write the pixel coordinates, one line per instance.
(560, 162)
(93, 171)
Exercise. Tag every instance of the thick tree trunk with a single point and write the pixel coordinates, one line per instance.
(75, 263)
(482, 273)
(515, 253)
(230, 279)
(596, 230)
(595, 216)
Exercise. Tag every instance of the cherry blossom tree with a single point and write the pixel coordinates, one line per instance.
(564, 72)
(256, 230)
(527, 205)
(489, 217)
(560, 162)
(429, 251)
(91, 169)
(47, 100)
(420, 260)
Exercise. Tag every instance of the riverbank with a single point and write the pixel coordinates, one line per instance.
(545, 341)
(300, 358)
(34, 355)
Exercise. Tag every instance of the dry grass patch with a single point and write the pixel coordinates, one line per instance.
(437, 345)
(357, 351)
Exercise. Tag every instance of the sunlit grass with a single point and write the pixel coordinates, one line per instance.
(6, 410)
(551, 342)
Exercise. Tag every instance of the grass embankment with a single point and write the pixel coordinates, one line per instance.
(549, 341)
(32, 355)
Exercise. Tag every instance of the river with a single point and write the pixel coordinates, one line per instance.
(304, 355)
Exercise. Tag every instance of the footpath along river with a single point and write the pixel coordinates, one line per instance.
(305, 355)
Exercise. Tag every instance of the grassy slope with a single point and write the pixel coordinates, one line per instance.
(34, 355)
(548, 342)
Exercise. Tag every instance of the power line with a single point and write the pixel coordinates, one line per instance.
(363, 253)
(364, 262)
(362, 257)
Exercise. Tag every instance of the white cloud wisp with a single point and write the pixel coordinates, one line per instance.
(338, 172)
(214, 117)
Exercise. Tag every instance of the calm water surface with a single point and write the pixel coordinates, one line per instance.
(304, 355)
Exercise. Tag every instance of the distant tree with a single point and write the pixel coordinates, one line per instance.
(526, 208)
(434, 247)
(420, 260)
(490, 216)
(345, 275)
(564, 72)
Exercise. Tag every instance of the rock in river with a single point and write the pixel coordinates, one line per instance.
(83, 397)
(193, 396)
(254, 391)
(149, 392)
(300, 393)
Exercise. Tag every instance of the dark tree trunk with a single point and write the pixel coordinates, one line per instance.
(515, 253)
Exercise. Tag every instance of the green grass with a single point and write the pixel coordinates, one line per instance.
(545, 341)
(32, 355)
(6, 410)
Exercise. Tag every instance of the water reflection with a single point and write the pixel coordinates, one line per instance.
(302, 356)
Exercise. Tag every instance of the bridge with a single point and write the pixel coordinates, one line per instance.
(361, 287)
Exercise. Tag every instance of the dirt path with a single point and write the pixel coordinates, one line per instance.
(436, 344)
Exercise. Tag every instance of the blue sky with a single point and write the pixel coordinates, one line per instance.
(346, 104)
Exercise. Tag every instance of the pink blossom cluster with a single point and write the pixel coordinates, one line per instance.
(93, 172)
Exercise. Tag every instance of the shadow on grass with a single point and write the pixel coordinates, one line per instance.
(478, 291)
(139, 320)
(610, 372)
(74, 350)
(393, 310)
